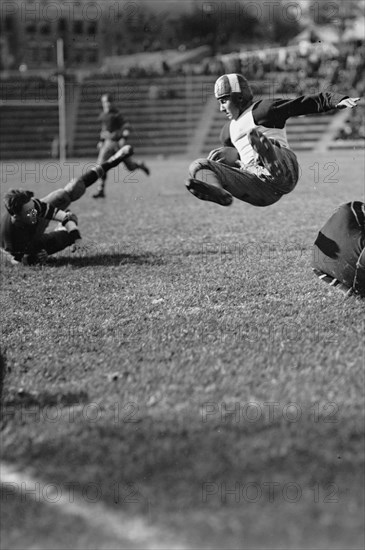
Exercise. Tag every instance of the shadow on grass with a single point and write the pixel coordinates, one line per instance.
(108, 260)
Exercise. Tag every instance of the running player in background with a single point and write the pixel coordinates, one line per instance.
(23, 237)
(339, 250)
(114, 134)
(255, 164)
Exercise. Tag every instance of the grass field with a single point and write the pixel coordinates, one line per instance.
(189, 373)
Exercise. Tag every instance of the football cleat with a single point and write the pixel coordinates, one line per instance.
(99, 194)
(332, 281)
(266, 152)
(206, 192)
(145, 168)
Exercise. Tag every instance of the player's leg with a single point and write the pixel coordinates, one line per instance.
(108, 149)
(73, 190)
(280, 162)
(217, 182)
(207, 187)
(132, 165)
(54, 241)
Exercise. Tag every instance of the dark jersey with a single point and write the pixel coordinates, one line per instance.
(112, 122)
(19, 239)
(339, 250)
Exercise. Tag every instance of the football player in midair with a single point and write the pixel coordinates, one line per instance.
(255, 164)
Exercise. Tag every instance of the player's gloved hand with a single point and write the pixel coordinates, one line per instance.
(99, 145)
(41, 256)
(225, 155)
(348, 102)
(70, 217)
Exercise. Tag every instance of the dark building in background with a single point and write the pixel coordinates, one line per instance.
(95, 29)
(29, 31)
(90, 29)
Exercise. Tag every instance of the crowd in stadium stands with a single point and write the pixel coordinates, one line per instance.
(296, 70)
(307, 68)
(354, 127)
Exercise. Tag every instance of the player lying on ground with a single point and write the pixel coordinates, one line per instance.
(255, 163)
(339, 250)
(23, 237)
(115, 132)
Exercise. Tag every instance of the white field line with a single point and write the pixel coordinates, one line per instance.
(95, 514)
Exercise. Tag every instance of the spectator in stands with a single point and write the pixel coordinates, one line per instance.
(354, 127)
(165, 67)
(153, 92)
(115, 132)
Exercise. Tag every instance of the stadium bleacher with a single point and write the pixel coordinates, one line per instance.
(28, 131)
(164, 112)
(29, 117)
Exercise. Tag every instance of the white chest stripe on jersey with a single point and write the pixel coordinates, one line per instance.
(239, 130)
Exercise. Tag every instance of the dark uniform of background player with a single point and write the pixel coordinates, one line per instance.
(339, 250)
(114, 134)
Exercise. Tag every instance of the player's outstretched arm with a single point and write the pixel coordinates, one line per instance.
(348, 102)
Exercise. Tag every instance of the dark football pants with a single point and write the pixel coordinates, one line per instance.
(108, 149)
(249, 187)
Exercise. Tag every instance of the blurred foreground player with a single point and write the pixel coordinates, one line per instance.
(339, 250)
(114, 134)
(255, 164)
(23, 237)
